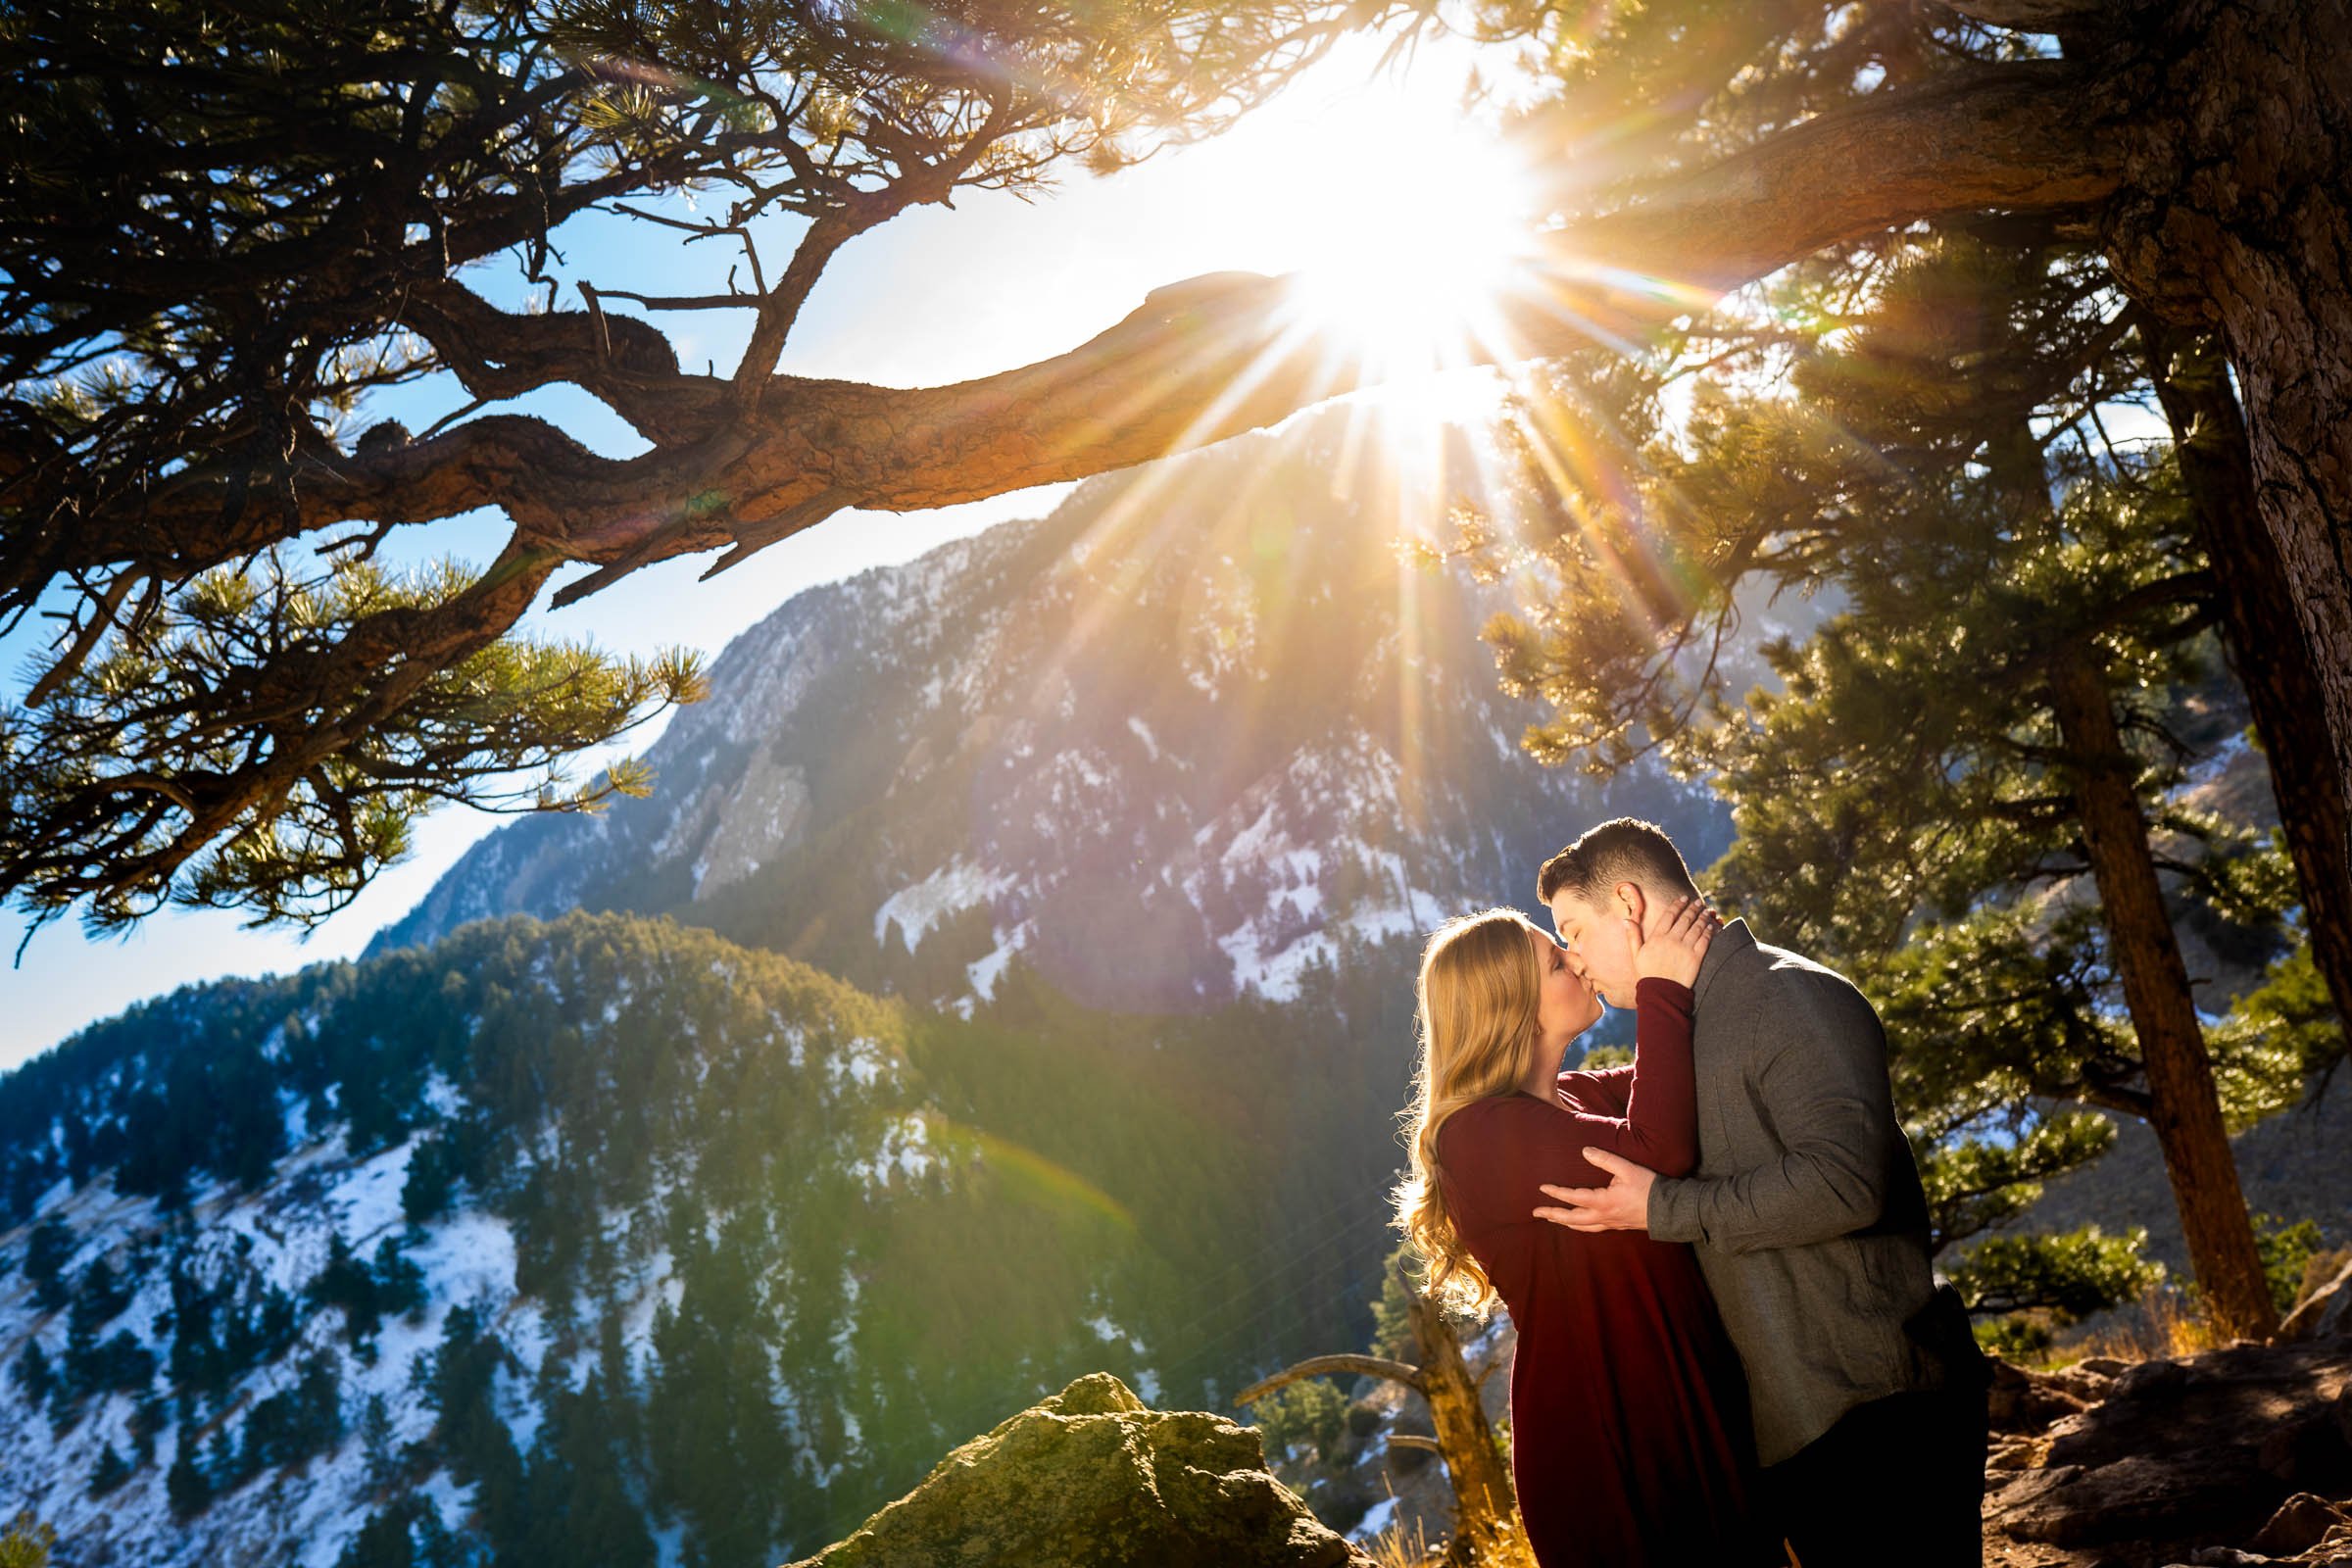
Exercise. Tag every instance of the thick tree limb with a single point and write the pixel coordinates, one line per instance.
(1371, 1366)
(1199, 361)
(2010, 139)
(628, 365)
(2033, 16)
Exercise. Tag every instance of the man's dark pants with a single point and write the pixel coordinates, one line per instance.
(1899, 1479)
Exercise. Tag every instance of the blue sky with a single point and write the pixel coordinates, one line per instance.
(935, 296)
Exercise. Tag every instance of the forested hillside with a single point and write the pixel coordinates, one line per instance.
(608, 1233)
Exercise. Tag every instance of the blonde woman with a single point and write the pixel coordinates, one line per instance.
(1630, 1436)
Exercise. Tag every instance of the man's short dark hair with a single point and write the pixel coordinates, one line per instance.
(1623, 849)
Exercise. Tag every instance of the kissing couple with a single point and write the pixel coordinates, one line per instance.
(1732, 1349)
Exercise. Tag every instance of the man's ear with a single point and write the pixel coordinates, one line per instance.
(1631, 900)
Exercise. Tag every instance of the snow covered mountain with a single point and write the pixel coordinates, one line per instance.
(1197, 729)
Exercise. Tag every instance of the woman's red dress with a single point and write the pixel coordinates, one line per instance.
(1629, 1437)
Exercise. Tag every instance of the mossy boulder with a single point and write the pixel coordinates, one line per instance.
(1091, 1478)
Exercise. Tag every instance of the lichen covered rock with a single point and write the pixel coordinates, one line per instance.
(1092, 1477)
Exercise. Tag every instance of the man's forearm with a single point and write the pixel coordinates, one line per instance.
(1805, 1196)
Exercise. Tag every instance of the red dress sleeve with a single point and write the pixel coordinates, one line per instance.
(1495, 1156)
(1602, 1089)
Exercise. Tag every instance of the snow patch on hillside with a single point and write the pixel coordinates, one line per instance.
(957, 886)
(279, 1233)
(905, 1149)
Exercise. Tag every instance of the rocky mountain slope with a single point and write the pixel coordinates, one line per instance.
(2296, 1165)
(1197, 730)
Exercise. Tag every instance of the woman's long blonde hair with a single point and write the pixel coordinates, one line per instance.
(1477, 1005)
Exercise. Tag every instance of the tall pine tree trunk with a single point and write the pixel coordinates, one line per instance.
(2236, 214)
(2184, 1104)
(2259, 628)
(2185, 1108)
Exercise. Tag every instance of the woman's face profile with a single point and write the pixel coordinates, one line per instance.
(1568, 1007)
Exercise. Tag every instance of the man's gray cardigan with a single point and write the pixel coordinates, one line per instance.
(1806, 1208)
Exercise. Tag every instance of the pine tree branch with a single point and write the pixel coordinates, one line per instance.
(1198, 362)
(2010, 139)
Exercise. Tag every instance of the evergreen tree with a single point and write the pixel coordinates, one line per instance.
(383, 1463)
(1987, 716)
(212, 439)
(426, 1190)
(46, 1251)
(343, 1282)
(148, 1418)
(398, 1283)
(578, 1502)
(109, 1472)
(291, 1425)
(480, 1450)
(186, 1483)
(385, 1540)
(838, 122)
(1647, 104)
(33, 1374)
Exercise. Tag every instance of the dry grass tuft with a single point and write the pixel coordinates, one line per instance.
(1393, 1548)
(2162, 1326)
(1396, 1547)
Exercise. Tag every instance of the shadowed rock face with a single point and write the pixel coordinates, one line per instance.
(1091, 1477)
(2175, 1456)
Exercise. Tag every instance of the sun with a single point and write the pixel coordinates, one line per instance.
(1429, 240)
(1404, 215)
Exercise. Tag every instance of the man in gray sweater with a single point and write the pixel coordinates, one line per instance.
(1808, 1220)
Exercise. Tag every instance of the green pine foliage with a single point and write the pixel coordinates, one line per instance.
(1311, 1414)
(2063, 1278)
(34, 1373)
(290, 1426)
(26, 1543)
(2287, 1249)
(225, 1321)
(385, 1540)
(366, 1292)
(2282, 1033)
(1911, 442)
(185, 1485)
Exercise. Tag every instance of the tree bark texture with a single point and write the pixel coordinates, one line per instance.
(2260, 630)
(2234, 211)
(2185, 1109)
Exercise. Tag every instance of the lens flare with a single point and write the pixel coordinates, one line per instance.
(1421, 220)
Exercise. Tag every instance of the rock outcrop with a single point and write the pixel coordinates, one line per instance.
(2229, 1457)
(1091, 1477)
